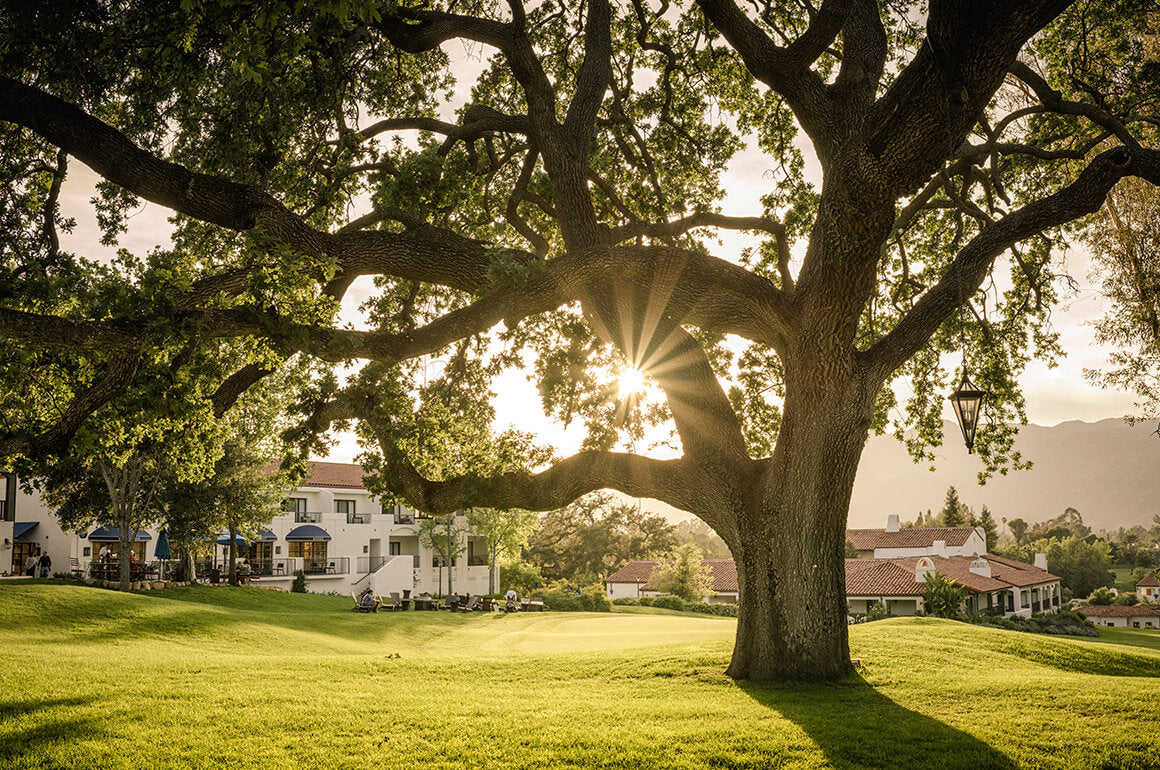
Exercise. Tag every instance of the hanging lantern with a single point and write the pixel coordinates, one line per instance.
(967, 401)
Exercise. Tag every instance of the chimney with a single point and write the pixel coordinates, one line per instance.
(939, 547)
(892, 524)
(981, 567)
(1041, 561)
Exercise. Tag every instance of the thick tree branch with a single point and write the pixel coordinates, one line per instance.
(117, 378)
(787, 70)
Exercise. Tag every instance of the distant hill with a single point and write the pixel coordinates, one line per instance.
(1107, 470)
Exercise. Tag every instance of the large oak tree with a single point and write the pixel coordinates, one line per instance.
(566, 218)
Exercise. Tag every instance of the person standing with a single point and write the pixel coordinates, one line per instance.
(45, 564)
(30, 565)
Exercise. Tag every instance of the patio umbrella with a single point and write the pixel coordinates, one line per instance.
(162, 550)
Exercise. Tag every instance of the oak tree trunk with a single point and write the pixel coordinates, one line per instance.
(790, 545)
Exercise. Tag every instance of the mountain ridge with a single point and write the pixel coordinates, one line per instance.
(1107, 470)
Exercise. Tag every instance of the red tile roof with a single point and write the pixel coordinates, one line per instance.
(336, 475)
(723, 572)
(1119, 611)
(1150, 579)
(872, 577)
(911, 537)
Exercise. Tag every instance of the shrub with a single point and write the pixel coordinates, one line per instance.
(1060, 623)
(561, 597)
(1101, 596)
(299, 586)
(721, 610)
(875, 611)
(627, 601)
(669, 603)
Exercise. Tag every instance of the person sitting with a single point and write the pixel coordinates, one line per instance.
(243, 571)
(368, 601)
(511, 605)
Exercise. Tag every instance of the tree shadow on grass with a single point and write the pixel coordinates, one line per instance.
(854, 725)
(33, 741)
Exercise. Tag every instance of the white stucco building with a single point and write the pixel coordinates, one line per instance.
(896, 541)
(1116, 616)
(332, 528)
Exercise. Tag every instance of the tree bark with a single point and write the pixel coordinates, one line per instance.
(789, 545)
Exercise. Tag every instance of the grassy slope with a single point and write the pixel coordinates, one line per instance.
(245, 677)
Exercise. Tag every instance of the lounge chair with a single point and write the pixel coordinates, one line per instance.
(470, 605)
(396, 603)
(360, 607)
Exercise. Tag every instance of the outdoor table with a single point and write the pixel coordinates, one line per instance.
(533, 606)
(425, 604)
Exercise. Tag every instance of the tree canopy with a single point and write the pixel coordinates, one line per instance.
(564, 214)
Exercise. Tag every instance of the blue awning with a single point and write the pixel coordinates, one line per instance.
(263, 535)
(113, 534)
(308, 532)
(20, 527)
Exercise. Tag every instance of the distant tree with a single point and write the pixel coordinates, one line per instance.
(444, 536)
(1018, 529)
(683, 574)
(506, 532)
(597, 534)
(1101, 596)
(1082, 566)
(851, 551)
(1070, 522)
(952, 513)
(1126, 600)
(521, 577)
(941, 597)
(990, 528)
(700, 534)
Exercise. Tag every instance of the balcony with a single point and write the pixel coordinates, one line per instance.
(358, 518)
(307, 517)
(404, 518)
(339, 565)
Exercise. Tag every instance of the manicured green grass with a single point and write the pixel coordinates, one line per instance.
(248, 678)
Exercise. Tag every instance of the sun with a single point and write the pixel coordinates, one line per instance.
(630, 382)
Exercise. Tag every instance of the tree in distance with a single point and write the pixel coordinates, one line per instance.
(682, 574)
(567, 217)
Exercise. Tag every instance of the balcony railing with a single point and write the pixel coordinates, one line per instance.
(358, 518)
(339, 565)
(365, 564)
(476, 561)
(404, 518)
(307, 517)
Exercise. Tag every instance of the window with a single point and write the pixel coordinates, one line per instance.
(1135, 624)
(294, 505)
(344, 506)
(396, 549)
(308, 549)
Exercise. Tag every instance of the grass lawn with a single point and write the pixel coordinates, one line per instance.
(241, 677)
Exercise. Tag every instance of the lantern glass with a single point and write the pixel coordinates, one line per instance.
(967, 401)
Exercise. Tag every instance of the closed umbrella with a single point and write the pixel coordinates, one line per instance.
(162, 550)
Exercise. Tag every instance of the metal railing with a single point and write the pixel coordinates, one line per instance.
(404, 518)
(338, 565)
(358, 518)
(365, 564)
(307, 517)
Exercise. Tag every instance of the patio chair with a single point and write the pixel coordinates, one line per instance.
(396, 604)
(470, 605)
(360, 607)
(75, 566)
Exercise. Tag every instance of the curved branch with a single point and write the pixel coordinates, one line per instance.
(1083, 196)
(115, 381)
(672, 481)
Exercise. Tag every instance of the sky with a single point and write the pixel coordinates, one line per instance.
(1053, 395)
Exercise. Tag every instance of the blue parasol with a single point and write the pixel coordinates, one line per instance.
(162, 550)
